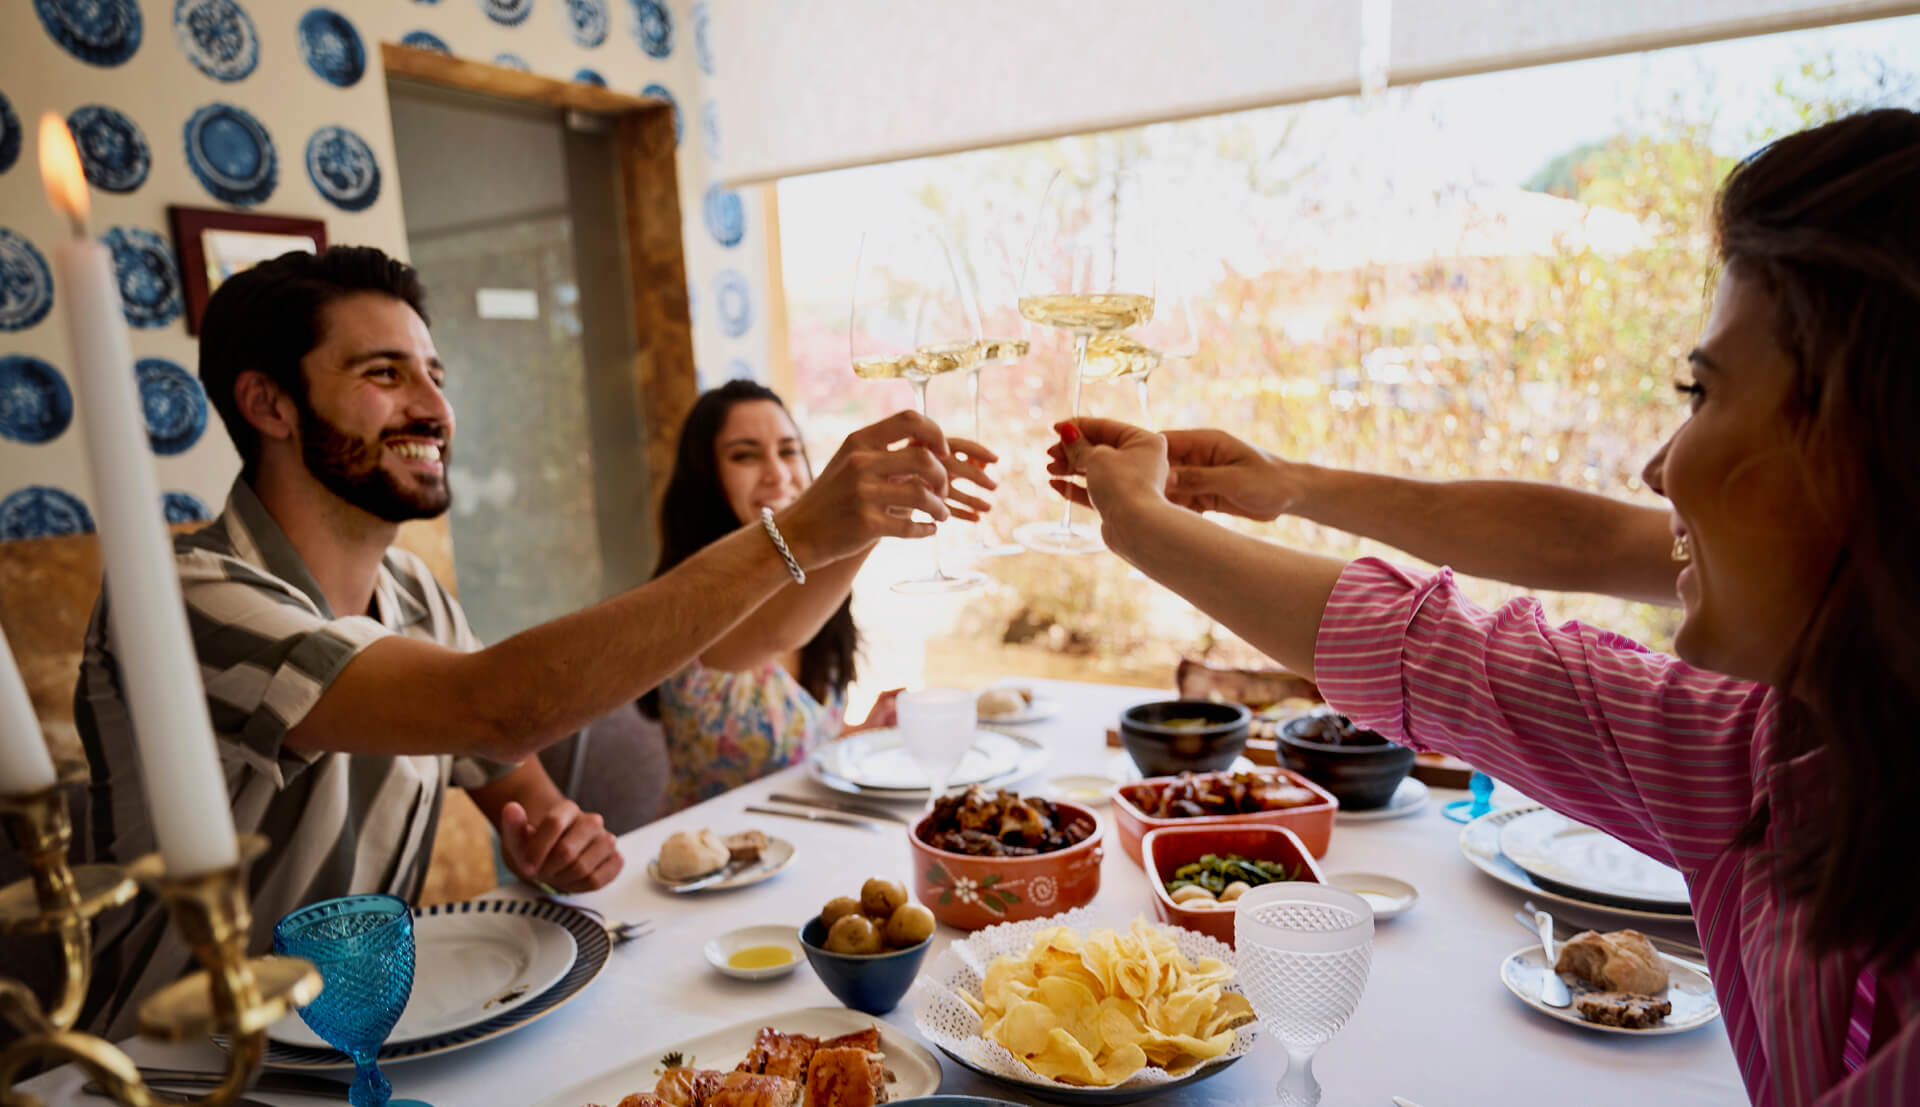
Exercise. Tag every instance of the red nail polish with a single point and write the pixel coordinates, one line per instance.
(1068, 432)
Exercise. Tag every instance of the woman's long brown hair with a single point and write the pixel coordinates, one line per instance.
(1828, 220)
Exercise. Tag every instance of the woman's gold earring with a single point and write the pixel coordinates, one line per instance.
(1682, 548)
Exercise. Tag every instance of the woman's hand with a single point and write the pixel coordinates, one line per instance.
(1122, 464)
(885, 713)
(968, 460)
(1207, 470)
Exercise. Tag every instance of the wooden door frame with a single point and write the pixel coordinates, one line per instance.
(663, 367)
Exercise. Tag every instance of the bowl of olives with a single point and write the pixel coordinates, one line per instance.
(868, 950)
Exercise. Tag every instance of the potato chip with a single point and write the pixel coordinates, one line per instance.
(1095, 1010)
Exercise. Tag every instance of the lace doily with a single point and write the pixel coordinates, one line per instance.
(944, 1019)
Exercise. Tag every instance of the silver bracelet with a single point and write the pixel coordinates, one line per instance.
(779, 543)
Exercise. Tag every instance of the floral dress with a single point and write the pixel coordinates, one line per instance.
(727, 728)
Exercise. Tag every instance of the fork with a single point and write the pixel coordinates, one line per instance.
(620, 933)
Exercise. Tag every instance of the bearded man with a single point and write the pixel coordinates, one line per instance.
(345, 687)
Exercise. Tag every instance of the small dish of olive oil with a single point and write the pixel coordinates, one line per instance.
(755, 952)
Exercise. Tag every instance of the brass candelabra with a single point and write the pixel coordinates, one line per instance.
(235, 996)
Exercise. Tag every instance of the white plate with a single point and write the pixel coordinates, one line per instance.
(1042, 706)
(878, 760)
(1690, 993)
(468, 968)
(1554, 849)
(1032, 758)
(1388, 896)
(733, 941)
(778, 855)
(1085, 789)
(917, 1072)
(1480, 842)
(1411, 796)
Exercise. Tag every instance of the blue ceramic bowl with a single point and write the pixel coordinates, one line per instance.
(873, 983)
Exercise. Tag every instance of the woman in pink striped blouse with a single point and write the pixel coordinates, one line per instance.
(1776, 762)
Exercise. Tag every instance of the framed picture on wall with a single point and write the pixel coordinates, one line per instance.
(214, 244)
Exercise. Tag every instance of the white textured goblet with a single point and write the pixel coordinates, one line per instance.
(1303, 952)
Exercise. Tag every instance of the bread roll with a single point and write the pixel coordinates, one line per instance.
(691, 853)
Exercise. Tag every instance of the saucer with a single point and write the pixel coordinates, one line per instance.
(1411, 796)
(719, 949)
(1388, 896)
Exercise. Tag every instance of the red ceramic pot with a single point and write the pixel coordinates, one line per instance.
(974, 892)
(1170, 847)
(1313, 822)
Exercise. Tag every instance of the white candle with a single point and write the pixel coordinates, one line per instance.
(186, 791)
(24, 763)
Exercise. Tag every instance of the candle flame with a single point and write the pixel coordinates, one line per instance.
(60, 171)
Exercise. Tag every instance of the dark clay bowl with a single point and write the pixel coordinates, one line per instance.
(1163, 750)
(1361, 770)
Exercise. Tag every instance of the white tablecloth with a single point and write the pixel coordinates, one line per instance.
(1436, 1025)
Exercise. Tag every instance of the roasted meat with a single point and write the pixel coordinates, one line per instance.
(980, 823)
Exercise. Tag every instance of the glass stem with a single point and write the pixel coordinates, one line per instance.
(1298, 1088)
(920, 397)
(370, 1086)
(1146, 413)
(1079, 366)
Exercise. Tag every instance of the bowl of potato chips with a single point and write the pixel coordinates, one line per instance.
(1069, 1011)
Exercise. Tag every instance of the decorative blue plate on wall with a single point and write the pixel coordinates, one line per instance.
(507, 13)
(174, 404)
(43, 511)
(183, 507)
(733, 299)
(217, 37)
(343, 169)
(332, 48)
(232, 154)
(725, 215)
(9, 135)
(702, 46)
(653, 27)
(659, 92)
(98, 32)
(512, 61)
(35, 403)
(425, 40)
(589, 77)
(149, 280)
(113, 152)
(26, 286)
(587, 21)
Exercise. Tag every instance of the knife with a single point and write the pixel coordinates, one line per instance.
(270, 1081)
(838, 805)
(1553, 990)
(815, 816)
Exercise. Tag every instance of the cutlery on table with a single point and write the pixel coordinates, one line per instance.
(269, 1081)
(1673, 946)
(1679, 951)
(1553, 990)
(620, 933)
(815, 816)
(1398, 1102)
(161, 1095)
(842, 806)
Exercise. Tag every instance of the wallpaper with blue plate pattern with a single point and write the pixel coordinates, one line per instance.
(183, 507)
(244, 70)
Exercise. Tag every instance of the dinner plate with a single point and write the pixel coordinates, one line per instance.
(590, 946)
(1410, 797)
(1031, 758)
(1690, 992)
(1041, 706)
(916, 1072)
(1480, 841)
(468, 967)
(777, 855)
(1572, 856)
(878, 760)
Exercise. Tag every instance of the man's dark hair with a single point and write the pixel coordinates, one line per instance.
(268, 318)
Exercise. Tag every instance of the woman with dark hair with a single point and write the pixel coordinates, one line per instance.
(1774, 762)
(775, 686)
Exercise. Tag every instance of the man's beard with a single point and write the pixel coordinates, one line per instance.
(350, 468)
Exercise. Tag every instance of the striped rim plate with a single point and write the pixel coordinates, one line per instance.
(591, 948)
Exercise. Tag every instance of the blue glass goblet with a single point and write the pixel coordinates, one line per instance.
(363, 946)
(1465, 811)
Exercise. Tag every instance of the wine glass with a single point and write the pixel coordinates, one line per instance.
(987, 280)
(1171, 335)
(1480, 785)
(912, 319)
(363, 947)
(1302, 953)
(936, 727)
(1089, 271)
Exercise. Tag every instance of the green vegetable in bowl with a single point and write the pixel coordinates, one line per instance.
(1214, 872)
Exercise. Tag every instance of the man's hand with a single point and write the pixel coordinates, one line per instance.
(1208, 470)
(570, 851)
(881, 474)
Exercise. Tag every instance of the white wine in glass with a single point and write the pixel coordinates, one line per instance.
(912, 320)
(1090, 272)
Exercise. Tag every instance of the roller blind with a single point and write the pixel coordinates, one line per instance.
(807, 85)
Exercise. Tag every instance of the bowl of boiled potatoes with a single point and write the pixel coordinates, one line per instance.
(868, 949)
